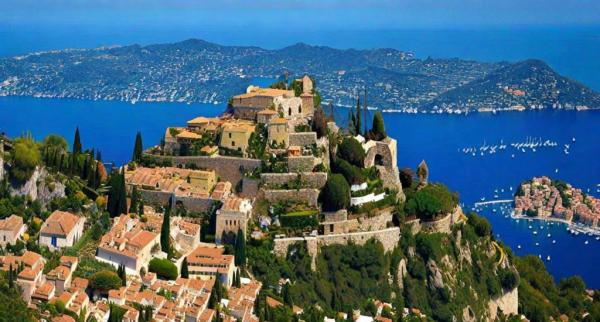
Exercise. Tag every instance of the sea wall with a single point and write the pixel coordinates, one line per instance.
(305, 196)
(228, 168)
(303, 138)
(314, 180)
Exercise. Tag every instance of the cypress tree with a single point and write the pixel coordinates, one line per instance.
(133, 207)
(287, 298)
(378, 130)
(122, 193)
(240, 248)
(117, 199)
(77, 142)
(122, 274)
(184, 268)
(10, 277)
(165, 231)
(358, 124)
(141, 207)
(137, 148)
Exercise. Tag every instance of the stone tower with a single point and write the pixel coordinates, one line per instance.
(423, 173)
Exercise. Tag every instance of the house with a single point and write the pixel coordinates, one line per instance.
(181, 182)
(203, 124)
(232, 216)
(278, 132)
(235, 136)
(11, 229)
(61, 229)
(61, 275)
(264, 116)
(256, 99)
(208, 261)
(31, 277)
(204, 180)
(129, 244)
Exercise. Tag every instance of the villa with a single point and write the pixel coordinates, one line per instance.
(208, 261)
(11, 229)
(235, 136)
(129, 244)
(233, 215)
(61, 229)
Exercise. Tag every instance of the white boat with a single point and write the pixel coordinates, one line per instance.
(549, 235)
(548, 258)
(554, 241)
(519, 246)
(586, 242)
(535, 232)
(537, 244)
(555, 170)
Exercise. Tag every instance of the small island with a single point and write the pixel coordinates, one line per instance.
(544, 198)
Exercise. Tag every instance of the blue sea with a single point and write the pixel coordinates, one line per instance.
(111, 126)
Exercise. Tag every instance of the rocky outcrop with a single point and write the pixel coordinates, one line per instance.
(41, 186)
(507, 303)
(435, 278)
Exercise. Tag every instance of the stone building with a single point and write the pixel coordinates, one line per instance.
(61, 229)
(232, 216)
(208, 261)
(278, 132)
(256, 99)
(235, 136)
(264, 116)
(11, 229)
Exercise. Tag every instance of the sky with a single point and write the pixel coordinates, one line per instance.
(307, 14)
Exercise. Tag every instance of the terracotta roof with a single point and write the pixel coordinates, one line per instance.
(69, 261)
(63, 318)
(184, 134)
(44, 290)
(232, 203)
(80, 283)
(273, 302)
(30, 258)
(59, 223)
(59, 273)
(12, 223)
(271, 92)
(209, 256)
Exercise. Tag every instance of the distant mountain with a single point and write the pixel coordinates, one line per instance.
(198, 71)
(529, 83)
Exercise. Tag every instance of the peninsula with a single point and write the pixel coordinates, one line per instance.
(545, 198)
(198, 71)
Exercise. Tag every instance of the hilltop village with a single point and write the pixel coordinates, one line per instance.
(268, 212)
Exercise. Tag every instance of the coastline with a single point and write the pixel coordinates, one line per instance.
(571, 226)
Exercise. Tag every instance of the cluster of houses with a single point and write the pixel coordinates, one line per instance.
(542, 198)
(278, 109)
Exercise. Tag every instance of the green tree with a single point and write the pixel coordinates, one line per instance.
(25, 158)
(165, 231)
(336, 193)
(117, 195)
(184, 268)
(358, 124)
(352, 151)
(105, 280)
(240, 248)
(133, 206)
(378, 130)
(163, 268)
(122, 274)
(287, 297)
(137, 148)
(77, 142)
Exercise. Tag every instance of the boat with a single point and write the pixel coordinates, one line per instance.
(586, 242)
(548, 258)
(554, 241)
(549, 235)
(519, 246)
(535, 232)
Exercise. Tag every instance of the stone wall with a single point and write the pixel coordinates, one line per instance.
(376, 222)
(301, 164)
(389, 238)
(303, 138)
(228, 168)
(305, 196)
(309, 179)
(151, 197)
(443, 225)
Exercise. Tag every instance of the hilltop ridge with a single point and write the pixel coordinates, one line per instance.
(196, 70)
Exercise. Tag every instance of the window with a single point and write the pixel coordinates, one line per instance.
(290, 111)
(299, 108)
(230, 135)
(53, 241)
(331, 228)
(232, 143)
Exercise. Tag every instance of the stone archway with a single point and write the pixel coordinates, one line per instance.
(380, 154)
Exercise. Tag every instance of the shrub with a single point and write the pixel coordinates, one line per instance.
(508, 279)
(300, 220)
(336, 193)
(352, 173)
(163, 268)
(25, 158)
(105, 280)
(352, 151)
(377, 132)
(481, 226)
(431, 201)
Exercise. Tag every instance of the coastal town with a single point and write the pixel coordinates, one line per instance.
(252, 215)
(548, 199)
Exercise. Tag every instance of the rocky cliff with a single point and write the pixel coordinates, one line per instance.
(42, 186)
